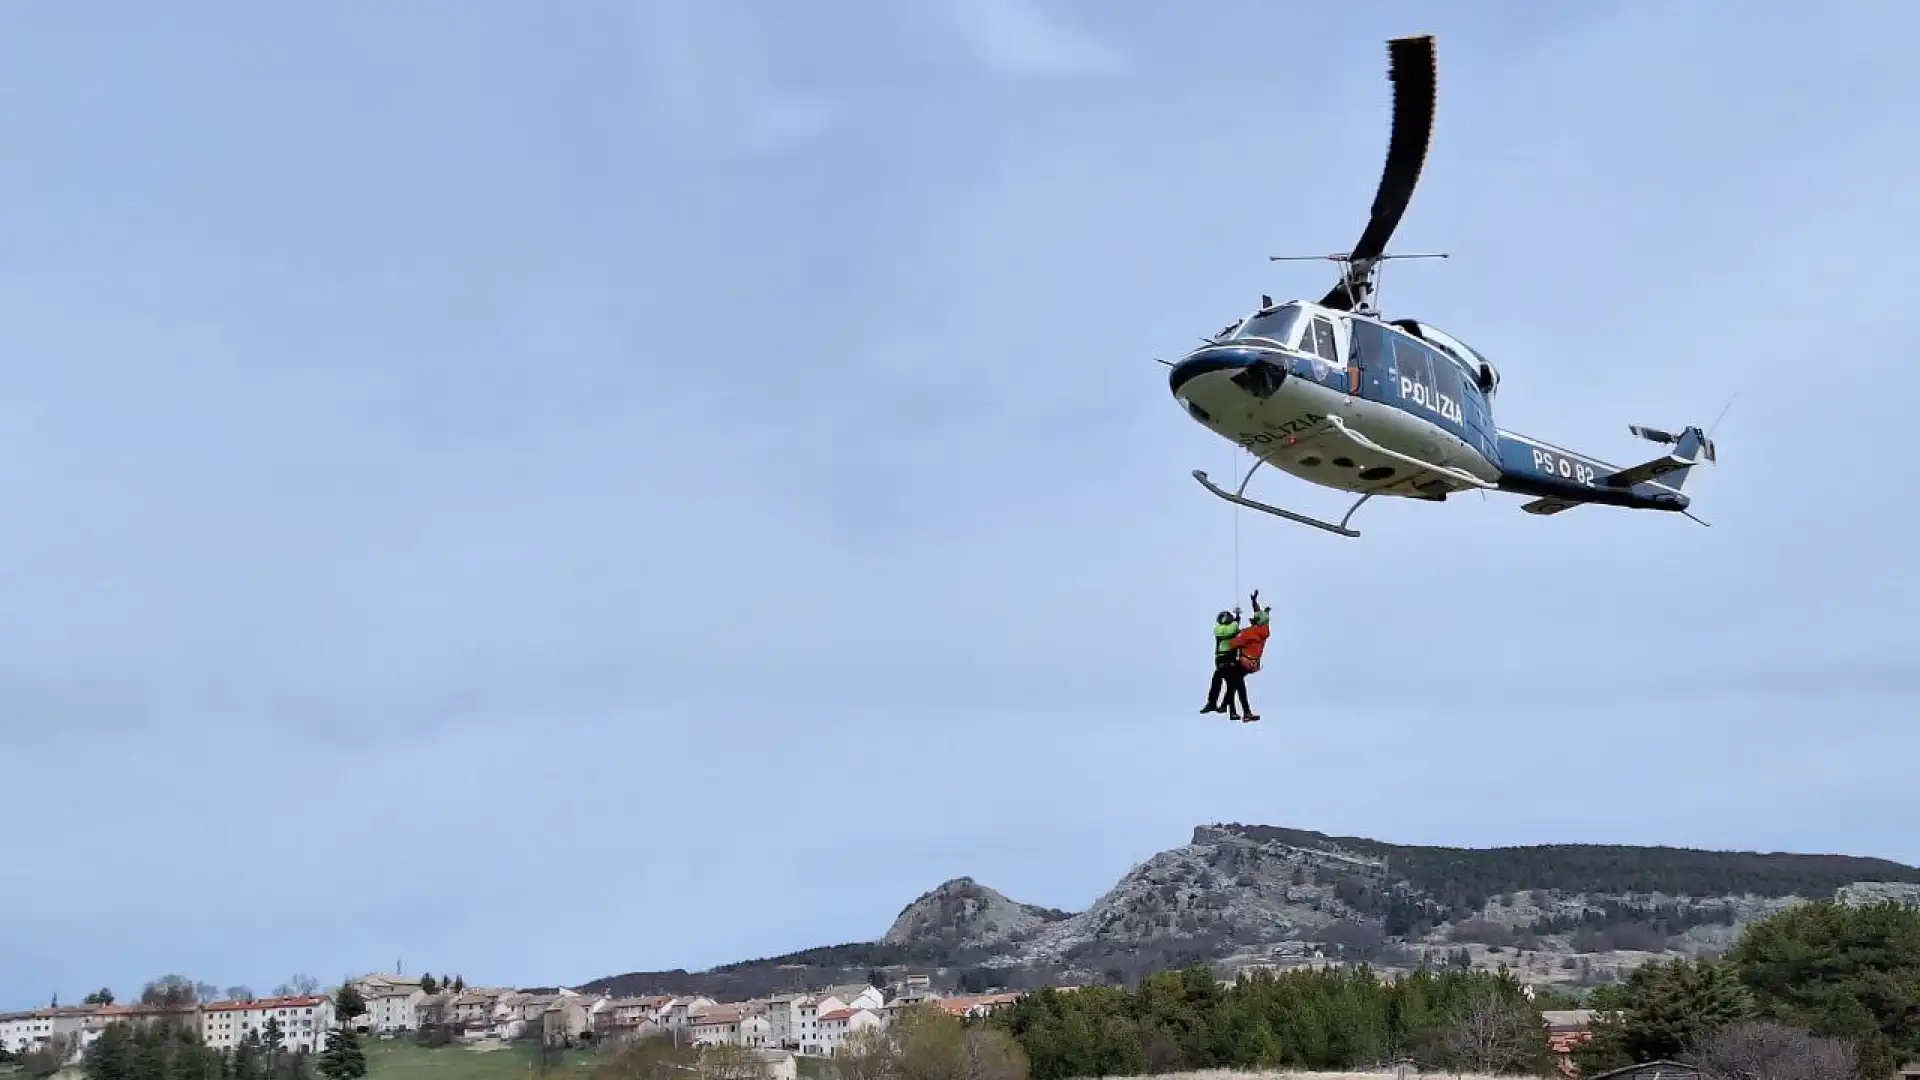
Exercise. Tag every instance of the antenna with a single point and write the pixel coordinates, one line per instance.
(1361, 276)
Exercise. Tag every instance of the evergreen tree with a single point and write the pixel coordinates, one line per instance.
(342, 1059)
(428, 985)
(273, 1041)
(1840, 970)
(244, 1062)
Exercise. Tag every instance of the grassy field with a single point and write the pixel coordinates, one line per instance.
(393, 1059)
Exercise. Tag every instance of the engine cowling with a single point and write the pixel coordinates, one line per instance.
(1486, 375)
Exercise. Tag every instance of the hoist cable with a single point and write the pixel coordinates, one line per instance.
(1233, 468)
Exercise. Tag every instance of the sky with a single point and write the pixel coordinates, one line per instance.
(543, 491)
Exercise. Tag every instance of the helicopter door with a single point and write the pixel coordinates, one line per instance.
(1318, 337)
(1371, 359)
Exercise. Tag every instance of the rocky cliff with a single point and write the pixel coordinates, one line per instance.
(1246, 895)
(963, 915)
(1239, 896)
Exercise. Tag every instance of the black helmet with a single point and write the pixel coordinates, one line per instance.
(1225, 617)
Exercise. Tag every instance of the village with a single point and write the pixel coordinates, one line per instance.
(778, 1027)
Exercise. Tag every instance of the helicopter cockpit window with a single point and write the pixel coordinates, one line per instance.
(1275, 326)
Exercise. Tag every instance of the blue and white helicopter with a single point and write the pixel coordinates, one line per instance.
(1335, 394)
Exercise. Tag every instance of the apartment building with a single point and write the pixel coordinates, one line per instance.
(833, 1029)
(304, 1021)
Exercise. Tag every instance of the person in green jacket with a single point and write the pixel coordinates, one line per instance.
(1226, 626)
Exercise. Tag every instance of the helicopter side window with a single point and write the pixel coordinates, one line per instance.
(1318, 339)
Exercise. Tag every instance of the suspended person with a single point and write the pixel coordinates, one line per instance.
(1226, 626)
(1248, 647)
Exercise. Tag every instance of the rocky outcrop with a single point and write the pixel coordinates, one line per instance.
(964, 915)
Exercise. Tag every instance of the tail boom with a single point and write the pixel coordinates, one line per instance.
(1560, 479)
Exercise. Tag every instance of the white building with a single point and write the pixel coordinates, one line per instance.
(807, 1012)
(857, 996)
(682, 1009)
(304, 1021)
(730, 1025)
(390, 1009)
(783, 1020)
(21, 1032)
(836, 1027)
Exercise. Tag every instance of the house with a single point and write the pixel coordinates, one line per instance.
(912, 990)
(783, 1020)
(390, 1008)
(564, 1020)
(834, 1028)
(807, 1011)
(1567, 1029)
(433, 1010)
(472, 1011)
(681, 1009)
(859, 996)
(303, 1022)
(722, 1026)
(22, 1032)
(381, 982)
(1909, 1071)
(77, 1026)
(975, 1004)
(626, 1017)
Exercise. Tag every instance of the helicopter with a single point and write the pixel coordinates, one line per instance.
(1333, 393)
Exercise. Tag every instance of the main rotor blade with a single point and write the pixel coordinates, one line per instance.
(1412, 68)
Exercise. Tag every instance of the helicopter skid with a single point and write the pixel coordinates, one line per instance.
(1238, 499)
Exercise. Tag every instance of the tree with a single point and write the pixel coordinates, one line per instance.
(1765, 1048)
(304, 985)
(102, 996)
(428, 985)
(348, 1003)
(923, 1043)
(1496, 1033)
(343, 1059)
(656, 1057)
(1837, 970)
(459, 984)
(273, 1042)
(1664, 1007)
(240, 993)
(244, 1064)
(47, 1058)
(171, 991)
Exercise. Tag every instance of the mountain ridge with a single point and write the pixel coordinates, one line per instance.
(1238, 896)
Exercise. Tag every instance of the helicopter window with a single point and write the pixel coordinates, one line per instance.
(1275, 326)
(1448, 379)
(1368, 343)
(1413, 360)
(1319, 339)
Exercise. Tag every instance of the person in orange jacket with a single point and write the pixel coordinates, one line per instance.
(1248, 647)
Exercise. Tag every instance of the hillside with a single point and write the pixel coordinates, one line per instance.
(1239, 895)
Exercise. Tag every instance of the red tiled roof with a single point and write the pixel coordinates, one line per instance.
(838, 1014)
(716, 1016)
(265, 1003)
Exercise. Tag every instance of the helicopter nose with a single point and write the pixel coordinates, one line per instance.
(1245, 368)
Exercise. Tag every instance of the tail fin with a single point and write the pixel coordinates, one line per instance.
(1689, 447)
